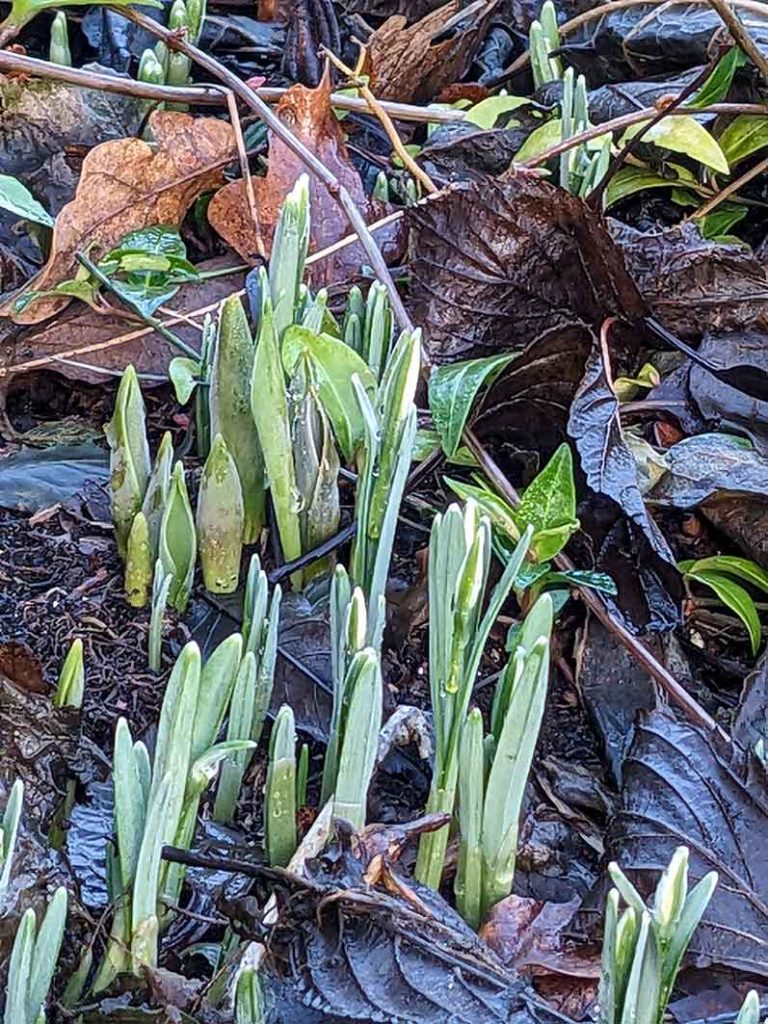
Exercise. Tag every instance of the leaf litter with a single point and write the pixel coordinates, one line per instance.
(535, 315)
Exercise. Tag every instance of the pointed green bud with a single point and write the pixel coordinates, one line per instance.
(178, 540)
(220, 520)
(381, 187)
(59, 52)
(179, 66)
(129, 456)
(178, 17)
(289, 252)
(151, 71)
(231, 411)
(195, 19)
(378, 328)
(71, 684)
(161, 55)
(280, 791)
(138, 564)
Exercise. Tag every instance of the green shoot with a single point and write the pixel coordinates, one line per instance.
(138, 563)
(750, 1010)
(280, 791)
(489, 812)
(58, 51)
(459, 561)
(643, 947)
(158, 489)
(357, 757)
(129, 456)
(230, 411)
(220, 520)
(543, 38)
(289, 252)
(9, 830)
(71, 684)
(33, 962)
(249, 998)
(253, 686)
(161, 588)
(178, 540)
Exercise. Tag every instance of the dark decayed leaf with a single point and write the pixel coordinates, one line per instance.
(461, 150)
(724, 405)
(682, 787)
(614, 689)
(693, 284)
(607, 462)
(646, 40)
(751, 724)
(698, 467)
(35, 478)
(497, 263)
(374, 953)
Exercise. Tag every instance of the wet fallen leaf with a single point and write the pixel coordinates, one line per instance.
(751, 724)
(701, 466)
(682, 787)
(309, 115)
(414, 64)
(496, 263)
(693, 284)
(126, 185)
(36, 478)
(79, 341)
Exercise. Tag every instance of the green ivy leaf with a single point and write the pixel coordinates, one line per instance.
(452, 392)
(541, 139)
(685, 135)
(19, 200)
(549, 505)
(335, 363)
(744, 136)
(716, 87)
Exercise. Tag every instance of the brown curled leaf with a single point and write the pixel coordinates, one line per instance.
(126, 184)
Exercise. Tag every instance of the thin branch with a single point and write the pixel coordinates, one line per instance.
(677, 694)
(730, 188)
(740, 35)
(245, 170)
(361, 84)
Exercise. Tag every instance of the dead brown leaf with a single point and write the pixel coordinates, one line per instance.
(410, 65)
(308, 113)
(126, 184)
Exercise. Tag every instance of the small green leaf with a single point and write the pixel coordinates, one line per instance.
(19, 200)
(717, 225)
(737, 599)
(549, 505)
(178, 540)
(219, 520)
(743, 568)
(452, 392)
(683, 134)
(716, 87)
(501, 515)
(744, 136)
(334, 363)
(184, 374)
(541, 139)
(486, 113)
(630, 180)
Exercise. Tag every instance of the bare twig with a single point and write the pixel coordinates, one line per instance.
(738, 31)
(245, 170)
(638, 650)
(361, 84)
(730, 188)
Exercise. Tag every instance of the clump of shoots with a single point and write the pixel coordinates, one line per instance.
(459, 561)
(490, 801)
(543, 38)
(368, 326)
(9, 830)
(253, 685)
(71, 685)
(643, 947)
(33, 961)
